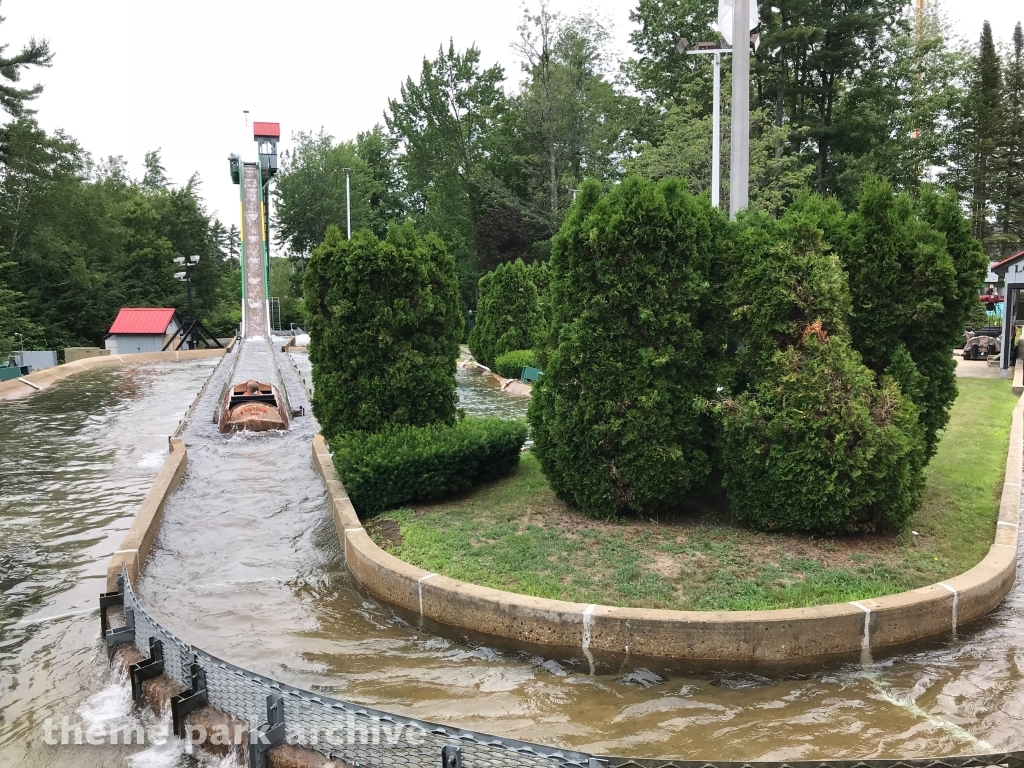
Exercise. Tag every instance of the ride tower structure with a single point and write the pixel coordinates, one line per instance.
(253, 179)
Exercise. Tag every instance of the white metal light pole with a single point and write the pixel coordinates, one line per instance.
(348, 203)
(716, 117)
(716, 132)
(739, 168)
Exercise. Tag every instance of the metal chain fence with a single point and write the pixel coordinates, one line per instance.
(362, 736)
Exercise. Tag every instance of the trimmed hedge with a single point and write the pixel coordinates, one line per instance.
(511, 364)
(508, 313)
(384, 328)
(402, 464)
(618, 421)
(819, 447)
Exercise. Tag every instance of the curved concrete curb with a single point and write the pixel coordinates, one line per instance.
(709, 635)
(12, 390)
(512, 386)
(138, 541)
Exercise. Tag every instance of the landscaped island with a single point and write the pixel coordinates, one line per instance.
(515, 535)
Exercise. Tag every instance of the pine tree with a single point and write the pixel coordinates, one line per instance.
(1010, 155)
(35, 53)
(983, 129)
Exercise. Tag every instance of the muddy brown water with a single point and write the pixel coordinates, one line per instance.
(76, 460)
(248, 567)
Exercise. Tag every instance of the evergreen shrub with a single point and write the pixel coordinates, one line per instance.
(511, 364)
(384, 326)
(508, 313)
(915, 274)
(818, 447)
(403, 464)
(618, 421)
(813, 443)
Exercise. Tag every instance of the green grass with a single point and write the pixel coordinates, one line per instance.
(515, 535)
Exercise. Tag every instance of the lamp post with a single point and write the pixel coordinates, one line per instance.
(21, 339)
(716, 119)
(186, 277)
(348, 201)
(739, 168)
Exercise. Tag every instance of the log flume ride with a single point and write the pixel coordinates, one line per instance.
(254, 406)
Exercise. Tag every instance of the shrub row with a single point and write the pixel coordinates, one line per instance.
(806, 357)
(401, 464)
(511, 364)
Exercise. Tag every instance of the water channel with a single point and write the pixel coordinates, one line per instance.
(248, 567)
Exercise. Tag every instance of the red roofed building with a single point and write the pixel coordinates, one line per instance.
(141, 330)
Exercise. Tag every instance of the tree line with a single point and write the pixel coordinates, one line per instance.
(840, 93)
(491, 162)
(80, 238)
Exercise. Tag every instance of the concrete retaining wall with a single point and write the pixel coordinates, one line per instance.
(778, 635)
(138, 541)
(37, 380)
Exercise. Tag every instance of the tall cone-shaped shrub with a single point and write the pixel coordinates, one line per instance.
(915, 274)
(617, 419)
(814, 444)
(508, 313)
(385, 327)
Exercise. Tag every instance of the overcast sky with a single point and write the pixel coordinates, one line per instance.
(135, 75)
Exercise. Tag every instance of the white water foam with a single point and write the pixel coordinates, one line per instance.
(153, 460)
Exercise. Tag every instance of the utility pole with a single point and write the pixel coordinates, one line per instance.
(739, 170)
(348, 201)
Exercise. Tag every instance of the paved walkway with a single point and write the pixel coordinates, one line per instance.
(979, 369)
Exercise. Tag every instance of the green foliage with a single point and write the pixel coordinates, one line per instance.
(915, 274)
(785, 282)
(446, 124)
(384, 328)
(309, 191)
(616, 418)
(818, 447)
(510, 364)
(35, 53)
(684, 151)
(812, 443)
(403, 463)
(282, 286)
(84, 240)
(13, 320)
(983, 131)
(508, 313)
(660, 71)
(568, 122)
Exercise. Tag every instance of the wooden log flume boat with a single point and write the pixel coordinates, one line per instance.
(254, 406)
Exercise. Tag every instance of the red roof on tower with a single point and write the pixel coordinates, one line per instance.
(144, 321)
(269, 130)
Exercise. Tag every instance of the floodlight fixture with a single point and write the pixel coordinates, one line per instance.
(179, 260)
(682, 44)
(179, 275)
(194, 259)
